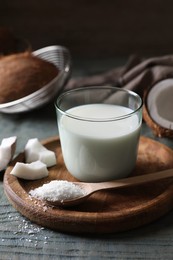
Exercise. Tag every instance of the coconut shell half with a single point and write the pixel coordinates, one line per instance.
(158, 108)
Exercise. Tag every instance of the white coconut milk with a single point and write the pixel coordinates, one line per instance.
(96, 151)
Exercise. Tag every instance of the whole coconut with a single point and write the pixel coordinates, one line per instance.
(22, 74)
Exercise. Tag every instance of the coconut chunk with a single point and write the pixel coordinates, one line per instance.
(30, 171)
(158, 108)
(34, 151)
(7, 150)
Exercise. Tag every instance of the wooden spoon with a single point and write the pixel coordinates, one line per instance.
(90, 188)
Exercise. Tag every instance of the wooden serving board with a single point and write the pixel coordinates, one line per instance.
(103, 212)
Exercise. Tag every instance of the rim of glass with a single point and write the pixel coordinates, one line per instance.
(68, 92)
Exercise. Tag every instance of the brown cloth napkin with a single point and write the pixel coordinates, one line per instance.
(136, 75)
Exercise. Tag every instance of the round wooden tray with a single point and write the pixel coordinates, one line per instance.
(103, 212)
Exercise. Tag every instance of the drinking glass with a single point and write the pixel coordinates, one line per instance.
(99, 129)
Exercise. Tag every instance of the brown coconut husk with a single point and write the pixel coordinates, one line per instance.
(22, 74)
(10, 43)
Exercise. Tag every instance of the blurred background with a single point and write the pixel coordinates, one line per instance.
(92, 28)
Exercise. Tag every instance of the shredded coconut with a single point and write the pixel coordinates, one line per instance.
(57, 191)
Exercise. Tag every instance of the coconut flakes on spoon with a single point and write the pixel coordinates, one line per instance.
(57, 190)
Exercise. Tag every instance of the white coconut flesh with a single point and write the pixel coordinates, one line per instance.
(160, 103)
(34, 151)
(7, 150)
(30, 171)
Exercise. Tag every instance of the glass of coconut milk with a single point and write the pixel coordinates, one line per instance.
(99, 129)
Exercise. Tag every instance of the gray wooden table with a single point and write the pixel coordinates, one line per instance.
(21, 239)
